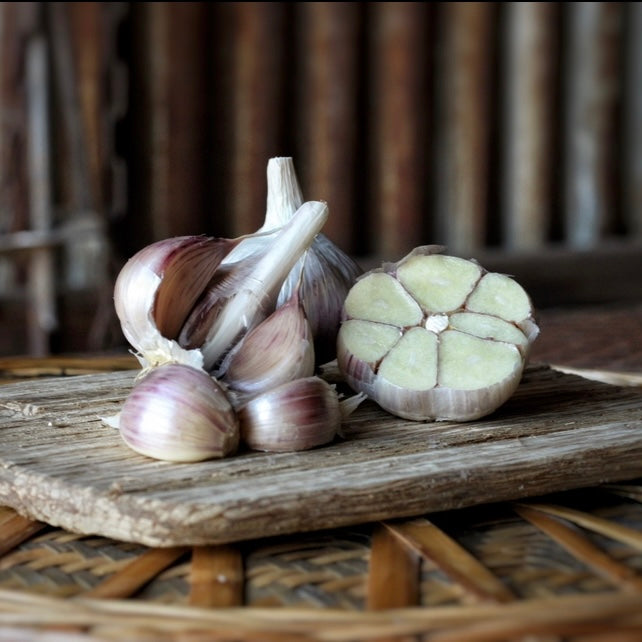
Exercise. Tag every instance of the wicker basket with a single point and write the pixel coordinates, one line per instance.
(565, 567)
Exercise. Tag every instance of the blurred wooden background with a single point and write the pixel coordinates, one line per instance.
(511, 132)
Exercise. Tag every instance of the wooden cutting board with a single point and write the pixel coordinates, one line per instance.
(61, 464)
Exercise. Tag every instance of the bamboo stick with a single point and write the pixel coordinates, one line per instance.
(328, 115)
(393, 580)
(528, 100)
(42, 284)
(136, 574)
(591, 89)
(632, 120)
(583, 549)
(216, 576)
(432, 543)
(463, 116)
(397, 74)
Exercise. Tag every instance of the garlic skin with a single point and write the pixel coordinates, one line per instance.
(278, 350)
(156, 289)
(434, 337)
(297, 415)
(328, 272)
(178, 413)
(248, 291)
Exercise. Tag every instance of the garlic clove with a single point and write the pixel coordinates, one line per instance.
(460, 359)
(250, 295)
(156, 289)
(297, 415)
(180, 414)
(278, 350)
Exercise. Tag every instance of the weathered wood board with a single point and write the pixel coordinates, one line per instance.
(61, 464)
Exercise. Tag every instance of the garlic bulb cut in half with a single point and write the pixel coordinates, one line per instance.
(156, 289)
(435, 337)
(297, 415)
(180, 414)
(276, 351)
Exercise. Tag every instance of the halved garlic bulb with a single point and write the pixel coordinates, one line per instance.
(297, 415)
(435, 337)
(156, 289)
(179, 413)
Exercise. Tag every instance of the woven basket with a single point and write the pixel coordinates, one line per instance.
(565, 567)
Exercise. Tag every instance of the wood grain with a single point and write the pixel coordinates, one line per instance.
(60, 464)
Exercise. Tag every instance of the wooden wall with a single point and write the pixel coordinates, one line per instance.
(507, 131)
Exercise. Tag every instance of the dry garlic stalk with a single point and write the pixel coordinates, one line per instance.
(435, 337)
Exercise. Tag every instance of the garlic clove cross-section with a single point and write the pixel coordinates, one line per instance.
(435, 337)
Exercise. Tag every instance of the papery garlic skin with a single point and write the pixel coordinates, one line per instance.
(251, 296)
(180, 414)
(434, 337)
(297, 415)
(156, 289)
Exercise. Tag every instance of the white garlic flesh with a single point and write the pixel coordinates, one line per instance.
(435, 337)
(178, 413)
(297, 415)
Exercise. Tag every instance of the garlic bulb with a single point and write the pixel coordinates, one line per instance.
(435, 337)
(246, 291)
(278, 350)
(328, 272)
(156, 289)
(297, 415)
(181, 414)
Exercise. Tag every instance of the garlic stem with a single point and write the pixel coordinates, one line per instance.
(284, 196)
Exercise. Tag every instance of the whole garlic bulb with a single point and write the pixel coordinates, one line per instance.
(179, 413)
(435, 337)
